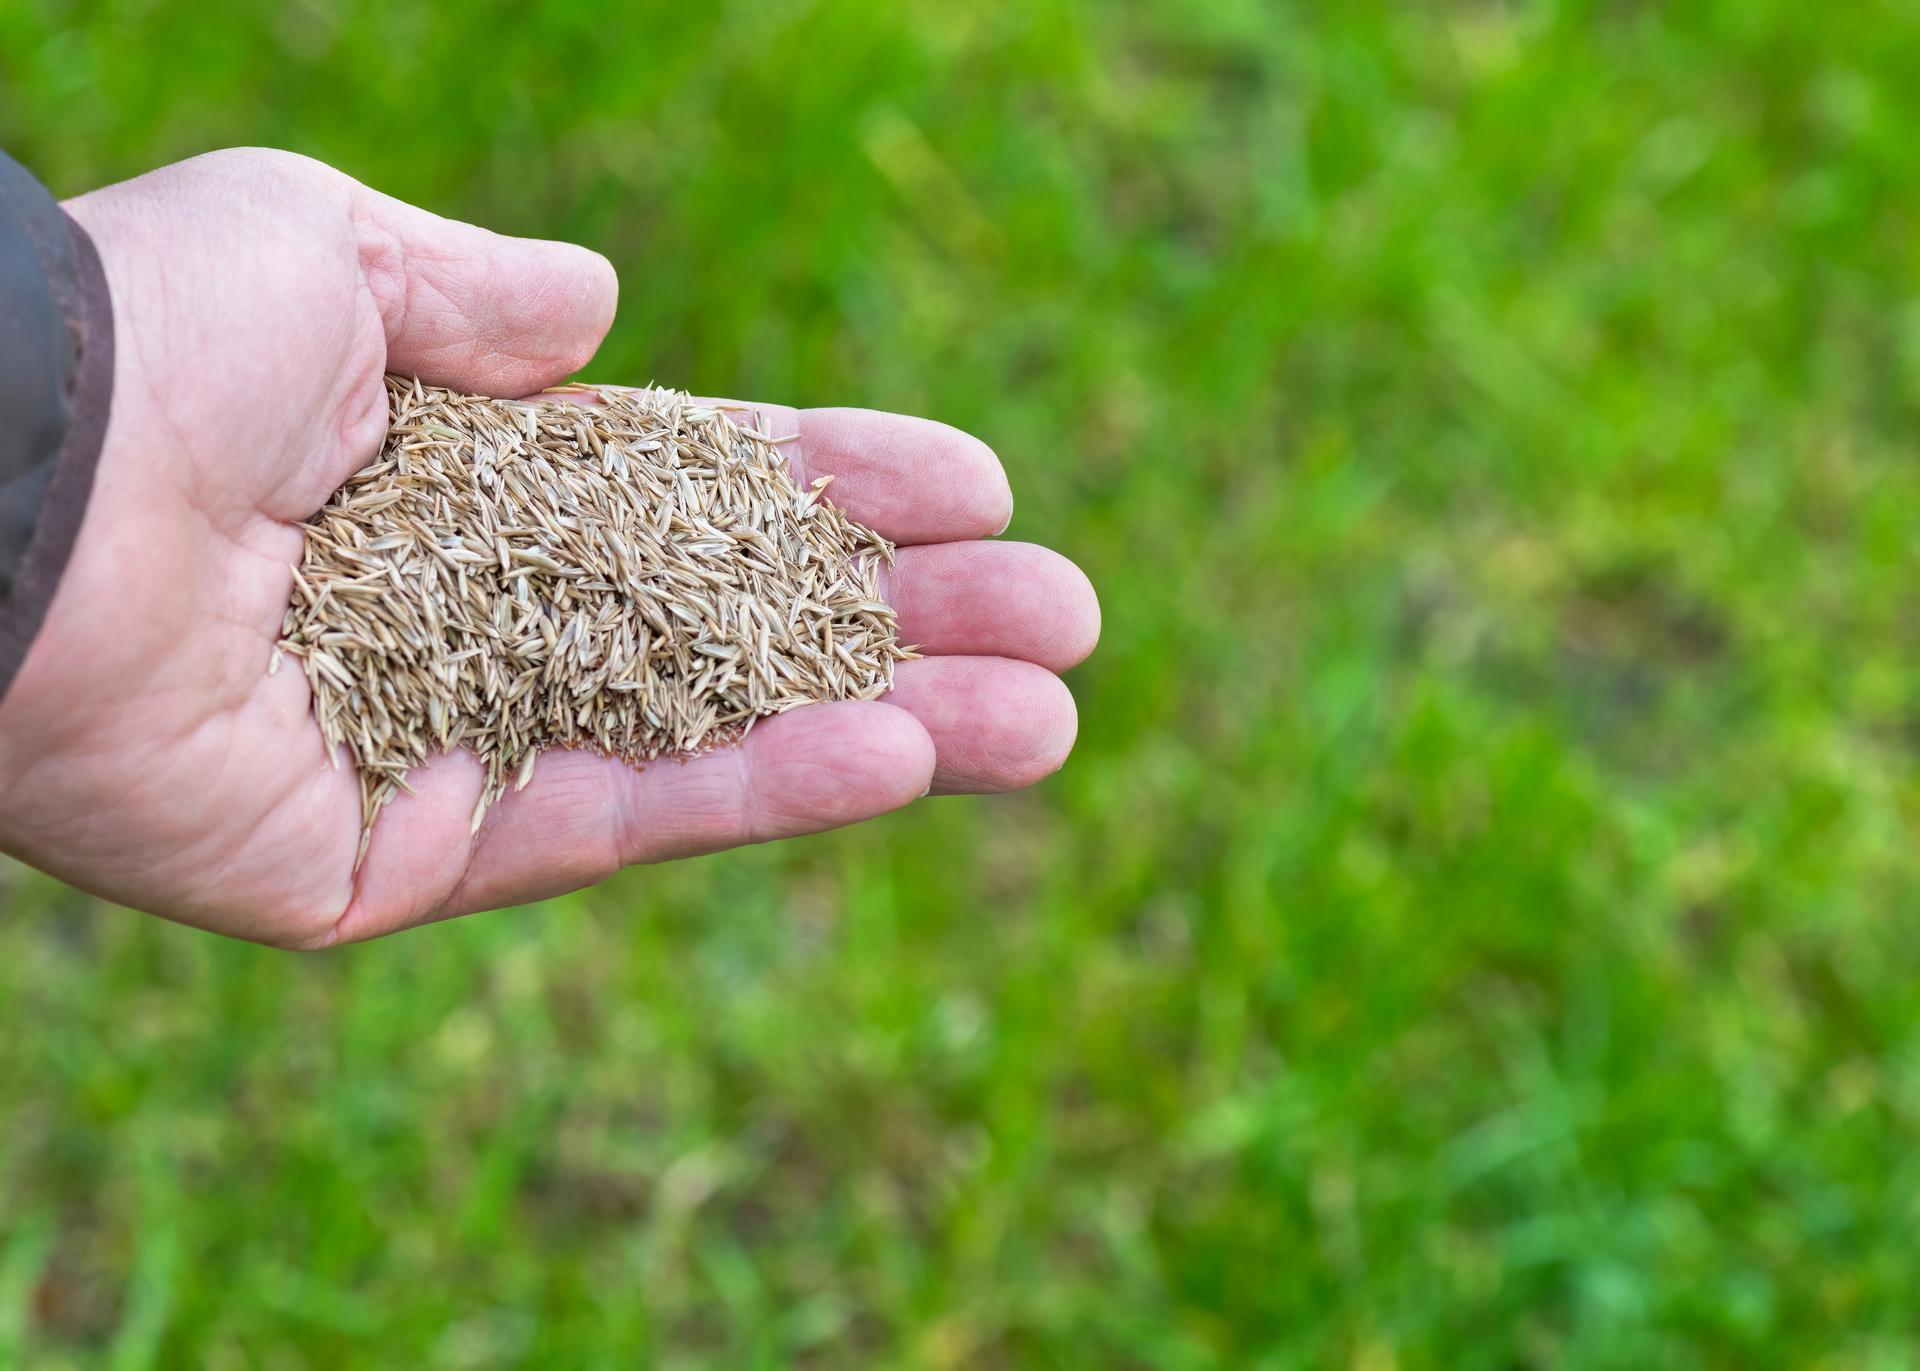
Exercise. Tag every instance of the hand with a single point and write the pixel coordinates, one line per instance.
(146, 754)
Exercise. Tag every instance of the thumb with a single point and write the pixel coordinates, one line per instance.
(475, 310)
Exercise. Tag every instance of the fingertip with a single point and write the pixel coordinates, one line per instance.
(566, 300)
(1034, 722)
(914, 480)
(979, 472)
(831, 764)
(1079, 614)
(597, 287)
(913, 749)
(994, 515)
(897, 747)
(997, 724)
(479, 311)
(1060, 729)
(988, 598)
(1095, 620)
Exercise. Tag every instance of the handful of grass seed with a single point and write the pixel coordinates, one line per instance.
(641, 576)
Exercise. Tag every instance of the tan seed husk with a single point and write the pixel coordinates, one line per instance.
(639, 575)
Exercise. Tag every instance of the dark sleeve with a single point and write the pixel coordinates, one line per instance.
(56, 382)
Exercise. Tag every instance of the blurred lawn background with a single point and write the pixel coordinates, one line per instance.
(1480, 926)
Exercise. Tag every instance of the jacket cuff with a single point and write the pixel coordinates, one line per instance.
(56, 385)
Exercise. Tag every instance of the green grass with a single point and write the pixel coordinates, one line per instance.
(1480, 926)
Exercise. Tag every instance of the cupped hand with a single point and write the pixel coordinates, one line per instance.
(146, 753)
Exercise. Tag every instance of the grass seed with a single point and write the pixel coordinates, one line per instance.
(622, 570)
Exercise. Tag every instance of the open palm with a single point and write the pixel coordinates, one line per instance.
(146, 753)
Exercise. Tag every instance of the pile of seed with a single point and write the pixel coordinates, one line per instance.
(621, 570)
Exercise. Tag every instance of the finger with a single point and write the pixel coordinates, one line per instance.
(475, 310)
(992, 599)
(910, 480)
(418, 851)
(584, 816)
(996, 724)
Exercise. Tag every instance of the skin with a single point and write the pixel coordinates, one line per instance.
(145, 753)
